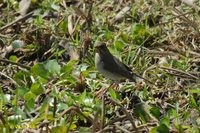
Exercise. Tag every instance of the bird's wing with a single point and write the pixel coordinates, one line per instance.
(123, 69)
(115, 66)
(122, 65)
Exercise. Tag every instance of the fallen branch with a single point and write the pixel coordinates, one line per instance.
(129, 116)
(15, 63)
(179, 71)
(17, 20)
(122, 129)
(77, 110)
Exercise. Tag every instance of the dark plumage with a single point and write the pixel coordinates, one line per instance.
(111, 67)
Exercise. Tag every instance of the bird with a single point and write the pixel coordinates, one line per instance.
(111, 67)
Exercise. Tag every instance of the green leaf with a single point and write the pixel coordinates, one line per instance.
(125, 38)
(172, 113)
(63, 26)
(39, 70)
(21, 91)
(29, 105)
(112, 93)
(14, 119)
(17, 44)
(186, 115)
(82, 67)
(193, 102)
(85, 73)
(62, 106)
(38, 119)
(88, 101)
(139, 33)
(162, 129)
(84, 130)
(178, 64)
(165, 121)
(39, 21)
(69, 67)
(145, 92)
(13, 58)
(20, 112)
(54, 93)
(92, 75)
(194, 90)
(82, 97)
(119, 45)
(155, 112)
(59, 129)
(153, 130)
(108, 35)
(52, 66)
(70, 100)
(5, 98)
(22, 77)
(141, 111)
(44, 106)
(85, 114)
(71, 126)
(28, 96)
(139, 29)
(36, 88)
(55, 7)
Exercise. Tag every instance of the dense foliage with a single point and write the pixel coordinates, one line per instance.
(48, 81)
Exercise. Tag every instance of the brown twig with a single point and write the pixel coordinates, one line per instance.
(175, 17)
(186, 19)
(107, 130)
(103, 112)
(179, 71)
(122, 129)
(159, 52)
(181, 75)
(111, 122)
(45, 124)
(145, 79)
(89, 16)
(95, 123)
(129, 116)
(17, 20)
(2, 119)
(12, 80)
(70, 120)
(15, 63)
(77, 110)
(153, 124)
(54, 107)
(163, 93)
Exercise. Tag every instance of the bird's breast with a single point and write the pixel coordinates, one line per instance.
(98, 62)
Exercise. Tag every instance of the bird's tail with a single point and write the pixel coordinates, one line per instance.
(146, 80)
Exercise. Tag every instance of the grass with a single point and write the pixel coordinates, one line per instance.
(49, 81)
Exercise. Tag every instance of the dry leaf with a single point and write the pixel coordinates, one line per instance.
(70, 24)
(188, 2)
(121, 14)
(80, 13)
(24, 5)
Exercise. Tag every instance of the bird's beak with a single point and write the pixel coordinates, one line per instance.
(96, 49)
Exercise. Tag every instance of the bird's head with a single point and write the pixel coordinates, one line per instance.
(100, 47)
